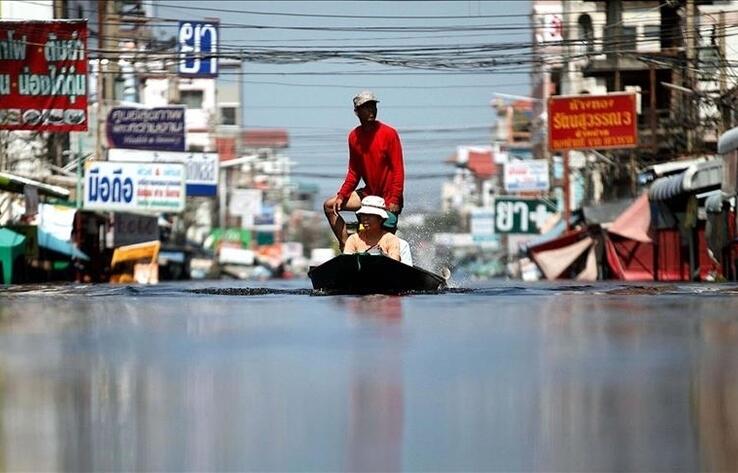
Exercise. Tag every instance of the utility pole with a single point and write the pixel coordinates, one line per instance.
(690, 42)
(724, 109)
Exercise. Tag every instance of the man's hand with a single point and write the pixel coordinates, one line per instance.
(394, 208)
(337, 205)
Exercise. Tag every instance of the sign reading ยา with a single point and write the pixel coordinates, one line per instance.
(592, 122)
(43, 75)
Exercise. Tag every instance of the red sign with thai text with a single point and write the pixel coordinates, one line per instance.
(43, 75)
(592, 122)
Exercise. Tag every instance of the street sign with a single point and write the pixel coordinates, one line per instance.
(592, 122)
(526, 176)
(521, 216)
(161, 128)
(198, 44)
(155, 187)
(202, 168)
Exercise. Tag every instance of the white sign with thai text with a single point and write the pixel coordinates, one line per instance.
(155, 187)
(526, 176)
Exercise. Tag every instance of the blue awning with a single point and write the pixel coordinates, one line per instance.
(697, 178)
(50, 242)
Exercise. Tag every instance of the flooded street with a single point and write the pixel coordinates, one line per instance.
(216, 376)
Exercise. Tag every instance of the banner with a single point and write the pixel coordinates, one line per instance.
(43, 75)
(156, 187)
(159, 129)
(202, 168)
(592, 122)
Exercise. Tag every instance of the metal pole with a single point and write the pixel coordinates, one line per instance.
(567, 197)
(78, 194)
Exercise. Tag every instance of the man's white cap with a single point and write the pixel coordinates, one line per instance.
(363, 97)
(373, 204)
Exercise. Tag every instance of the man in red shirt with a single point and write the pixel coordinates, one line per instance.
(375, 155)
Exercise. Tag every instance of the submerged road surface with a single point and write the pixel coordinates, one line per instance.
(219, 376)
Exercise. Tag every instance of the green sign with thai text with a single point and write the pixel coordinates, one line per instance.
(519, 215)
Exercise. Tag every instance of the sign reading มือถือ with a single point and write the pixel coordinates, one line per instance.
(43, 75)
(156, 187)
(592, 122)
(521, 216)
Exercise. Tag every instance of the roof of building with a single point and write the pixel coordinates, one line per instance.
(266, 138)
(481, 164)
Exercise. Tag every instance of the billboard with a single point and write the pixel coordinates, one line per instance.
(156, 187)
(521, 216)
(201, 168)
(198, 44)
(526, 176)
(161, 129)
(43, 75)
(592, 122)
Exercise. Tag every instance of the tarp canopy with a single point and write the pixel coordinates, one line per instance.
(633, 223)
(51, 242)
(553, 263)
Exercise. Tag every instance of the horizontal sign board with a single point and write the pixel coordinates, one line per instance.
(526, 176)
(43, 75)
(201, 168)
(161, 129)
(592, 122)
(156, 187)
(521, 216)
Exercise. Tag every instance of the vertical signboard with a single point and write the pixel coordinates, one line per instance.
(592, 122)
(198, 43)
(43, 75)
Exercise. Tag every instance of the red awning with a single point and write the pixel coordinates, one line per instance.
(633, 223)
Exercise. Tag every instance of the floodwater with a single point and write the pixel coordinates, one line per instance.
(216, 376)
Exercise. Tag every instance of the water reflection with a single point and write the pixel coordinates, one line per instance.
(378, 383)
(376, 403)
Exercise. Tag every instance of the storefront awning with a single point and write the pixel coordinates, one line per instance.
(13, 183)
(665, 188)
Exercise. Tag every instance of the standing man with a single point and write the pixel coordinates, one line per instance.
(375, 156)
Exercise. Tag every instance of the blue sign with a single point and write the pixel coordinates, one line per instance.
(158, 129)
(198, 48)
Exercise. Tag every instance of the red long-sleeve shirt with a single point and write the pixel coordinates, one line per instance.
(375, 155)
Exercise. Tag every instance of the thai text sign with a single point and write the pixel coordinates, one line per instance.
(201, 168)
(43, 75)
(592, 122)
(521, 216)
(526, 176)
(157, 187)
(160, 129)
(198, 48)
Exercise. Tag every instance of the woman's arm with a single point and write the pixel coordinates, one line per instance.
(392, 246)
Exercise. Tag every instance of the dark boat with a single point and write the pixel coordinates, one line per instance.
(372, 274)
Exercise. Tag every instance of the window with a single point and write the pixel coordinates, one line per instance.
(586, 32)
(628, 42)
(652, 31)
(228, 115)
(191, 98)
(195, 148)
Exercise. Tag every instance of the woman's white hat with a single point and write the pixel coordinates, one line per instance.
(373, 204)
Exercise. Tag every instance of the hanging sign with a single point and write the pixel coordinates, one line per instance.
(521, 216)
(161, 129)
(43, 75)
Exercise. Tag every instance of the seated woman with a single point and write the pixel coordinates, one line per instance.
(371, 237)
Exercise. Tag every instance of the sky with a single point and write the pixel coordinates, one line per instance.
(434, 111)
